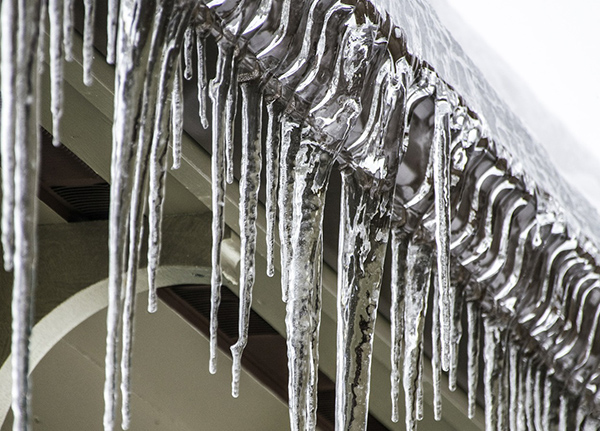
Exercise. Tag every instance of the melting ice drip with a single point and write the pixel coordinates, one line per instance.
(338, 85)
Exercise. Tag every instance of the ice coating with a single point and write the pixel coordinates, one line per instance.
(528, 265)
(249, 185)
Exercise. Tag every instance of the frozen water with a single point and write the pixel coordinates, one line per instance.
(340, 85)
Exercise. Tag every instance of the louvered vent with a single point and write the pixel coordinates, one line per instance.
(69, 186)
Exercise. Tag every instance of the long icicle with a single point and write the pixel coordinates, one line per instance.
(441, 184)
(67, 22)
(272, 174)
(88, 40)
(177, 116)
(7, 132)
(492, 366)
(249, 185)
(162, 137)
(112, 21)
(456, 333)
(128, 92)
(436, 349)
(138, 204)
(230, 113)
(417, 288)
(290, 137)
(26, 152)
(56, 18)
(473, 322)
(364, 230)
(202, 83)
(309, 171)
(151, 92)
(399, 256)
(218, 94)
(188, 48)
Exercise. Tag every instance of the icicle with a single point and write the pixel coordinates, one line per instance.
(218, 93)
(9, 58)
(88, 40)
(163, 136)
(129, 87)
(68, 29)
(563, 413)
(473, 317)
(230, 113)
(419, 403)
(309, 174)
(126, 95)
(135, 234)
(456, 334)
(580, 416)
(57, 18)
(111, 29)
(138, 205)
(249, 185)
(537, 400)
(547, 412)
(41, 54)
(417, 288)
(436, 364)
(441, 183)
(272, 158)
(23, 93)
(513, 418)
(202, 85)
(154, 78)
(529, 384)
(290, 140)
(521, 414)
(364, 230)
(177, 117)
(492, 370)
(399, 255)
(188, 47)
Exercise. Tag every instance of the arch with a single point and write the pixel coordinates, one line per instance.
(78, 308)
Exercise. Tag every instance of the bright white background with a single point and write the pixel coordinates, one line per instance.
(543, 58)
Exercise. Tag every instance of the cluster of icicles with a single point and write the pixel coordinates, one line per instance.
(338, 86)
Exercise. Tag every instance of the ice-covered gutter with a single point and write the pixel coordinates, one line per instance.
(429, 157)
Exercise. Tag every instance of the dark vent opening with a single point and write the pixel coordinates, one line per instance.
(69, 186)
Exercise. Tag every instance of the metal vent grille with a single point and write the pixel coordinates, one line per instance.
(69, 186)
